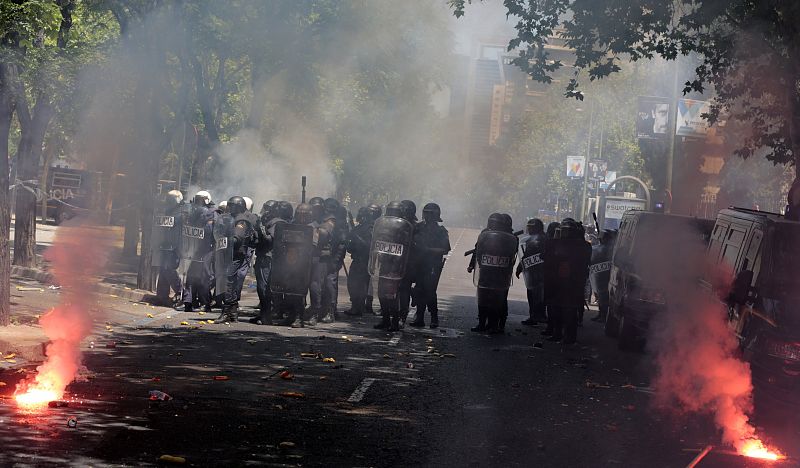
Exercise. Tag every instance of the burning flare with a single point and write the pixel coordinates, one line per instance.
(755, 448)
(77, 253)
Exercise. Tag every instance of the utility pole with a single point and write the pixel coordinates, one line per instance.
(673, 126)
(586, 163)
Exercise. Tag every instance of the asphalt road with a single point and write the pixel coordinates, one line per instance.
(422, 397)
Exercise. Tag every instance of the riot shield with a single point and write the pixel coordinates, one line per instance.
(292, 252)
(390, 249)
(194, 241)
(532, 259)
(496, 251)
(223, 252)
(161, 236)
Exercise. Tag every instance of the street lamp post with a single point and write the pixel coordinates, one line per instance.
(586, 164)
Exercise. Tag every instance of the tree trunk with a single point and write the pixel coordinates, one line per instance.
(6, 112)
(28, 158)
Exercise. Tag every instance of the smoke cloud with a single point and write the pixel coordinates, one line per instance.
(78, 253)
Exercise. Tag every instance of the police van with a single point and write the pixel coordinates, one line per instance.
(650, 250)
(759, 252)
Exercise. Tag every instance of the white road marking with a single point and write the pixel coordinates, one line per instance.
(358, 393)
(453, 247)
(394, 341)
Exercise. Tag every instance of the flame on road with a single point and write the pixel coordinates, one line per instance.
(36, 397)
(755, 448)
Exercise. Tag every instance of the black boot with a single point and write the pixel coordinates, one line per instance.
(355, 310)
(311, 315)
(230, 314)
(434, 319)
(394, 324)
(419, 319)
(481, 324)
(298, 320)
(264, 318)
(383, 324)
(328, 316)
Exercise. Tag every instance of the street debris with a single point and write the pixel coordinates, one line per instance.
(590, 384)
(58, 404)
(286, 375)
(347, 338)
(292, 394)
(220, 377)
(149, 315)
(184, 323)
(10, 356)
(172, 459)
(449, 355)
(286, 445)
(28, 288)
(72, 422)
(311, 355)
(410, 365)
(54, 287)
(111, 345)
(329, 359)
(158, 395)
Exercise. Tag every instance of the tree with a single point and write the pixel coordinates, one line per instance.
(746, 52)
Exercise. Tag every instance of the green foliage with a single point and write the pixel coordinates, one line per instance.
(746, 50)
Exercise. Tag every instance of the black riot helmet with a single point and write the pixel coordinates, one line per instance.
(496, 222)
(570, 229)
(316, 201)
(304, 214)
(269, 209)
(394, 208)
(236, 205)
(508, 223)
(375, 210)
(409, 210)
(535, 226)
(285, 210)
(432, 213)
(331, 205)
(551, 230)
(364, 215)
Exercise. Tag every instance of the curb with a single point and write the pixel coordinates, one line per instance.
(135, 295)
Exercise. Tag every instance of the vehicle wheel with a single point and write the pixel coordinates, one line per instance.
(611, 327)
(628, 340)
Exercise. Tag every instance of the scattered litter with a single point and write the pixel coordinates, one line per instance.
(386, 356)
(632, 387)
(113, 295)
(292, 394)
(329, 359)
(91, 345)
(184, 323)
(278, 407)
(72, 422)
(172, 459)
(54, 287)
(28, 288)
(149, 315)
(58, 404)
(286, 445)
(11, 361)
(201, 313)
(410, 365)
(210, 322)
(323, 377)
(10, 356)
(450, 355)
(590, 384)
(286, 375)
(346, 338)
(220, 377)
(311, 355)
(539, 345)
(158, 395)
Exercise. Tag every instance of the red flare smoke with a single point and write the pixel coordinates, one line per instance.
(78, 253)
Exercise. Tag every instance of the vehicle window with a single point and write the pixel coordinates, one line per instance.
(717, 239)
(750, 261)
(732, 246)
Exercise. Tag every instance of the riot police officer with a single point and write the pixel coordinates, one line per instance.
(549, 238)
(567, 266)
(375, 212)
(265, 230)
(388, 259)
(432, 244)
(358, 245)
(335, 220)
(293, 251)
(165, 245)
(410, 277)
(235, 237)
(600, 272)
(492, 265)
(531, 264)
(197, 251)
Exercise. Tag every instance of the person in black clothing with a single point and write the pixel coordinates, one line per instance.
(432, 243)
(550, 235)
(600, 272)
(265, 230)
(567, 266)
(242, 235)
(358, 245)
(532, 266)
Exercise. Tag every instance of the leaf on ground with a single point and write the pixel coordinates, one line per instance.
(329, 359)
(292, 394)
(286, 375)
